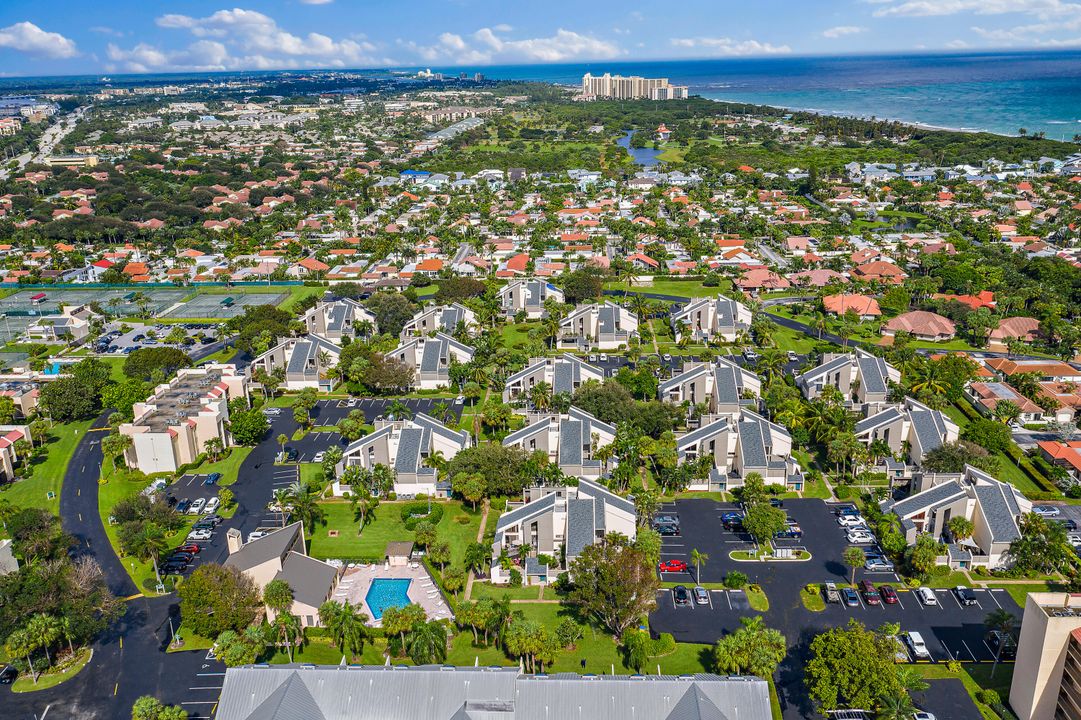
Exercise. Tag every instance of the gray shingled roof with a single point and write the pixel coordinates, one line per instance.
(887, 416)
(931, 497)
(525, 512)
(683, 377)
(596, 490)
(930, 428)
(570, 442)
(706, 431)
(824, 369)
(257, 552)
(873, 374)
(443, 693)
(563, 377)
(753, 444)
(581, 525)
(999, 509)
(726, 385)
(311, 579)
(409, 447)
(519, 435)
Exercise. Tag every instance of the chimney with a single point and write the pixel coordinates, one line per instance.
(233, 540)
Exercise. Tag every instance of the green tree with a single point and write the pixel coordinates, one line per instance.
(20, 644)
(763, 522)
(614, 583)
(215, 599)
(399, 621)
(699, 559)
(471, 486)
(752, 649)
(920, 558)
(1002, 621)
(1042, 546)
(960, 527)
(428, 643)
(852, 666)
(43, 630)
(854, 558)
(241, 648)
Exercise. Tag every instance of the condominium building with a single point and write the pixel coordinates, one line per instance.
(173, 426)
(1046, 681)
(632, 87)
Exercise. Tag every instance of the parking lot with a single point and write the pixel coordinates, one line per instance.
(115, 342)
(950, 629)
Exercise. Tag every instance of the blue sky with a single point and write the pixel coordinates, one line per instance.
(46, 37)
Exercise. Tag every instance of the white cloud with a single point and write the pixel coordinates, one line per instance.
(105, 30)
(490, 45)
(244, 39)
(29, 38)
(842, 30)
(729, 47)
(957, 45)
(1042, 9)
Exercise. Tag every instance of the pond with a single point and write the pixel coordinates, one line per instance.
(646, 156)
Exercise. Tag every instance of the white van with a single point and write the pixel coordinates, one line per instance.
(919, 647)
(927, 596)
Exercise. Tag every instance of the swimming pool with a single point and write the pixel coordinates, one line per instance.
(385, 593)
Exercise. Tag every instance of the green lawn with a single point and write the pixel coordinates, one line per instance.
(48, 473)
(517, 334)
(949, 580)
(526, 592)
(681, 288)
(229, 467)
(54, 676)
(458, 527)
(1020, 591)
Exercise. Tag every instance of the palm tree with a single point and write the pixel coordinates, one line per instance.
(281, 499)
(428, 643)
(20, 644)
(399, 410)
(699, 559)
(282, 440)
(346, 624)
(68, 633)
(43, 630)
(149, 545)
(1002, 621)
(895, 706)
(441, 411)
(289, 630)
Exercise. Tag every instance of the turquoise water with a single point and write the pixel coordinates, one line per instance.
(996, 91)
(386, 593)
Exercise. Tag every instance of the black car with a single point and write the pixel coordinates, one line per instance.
(171, 501)
(183, 505)
(180, 557)
(291, 454)
(682, 597)
(204, 524)
(776, 502)
(8, 675)
(173, 568)
(667, 530)
(1067, 523)
(965, 596)
(996, 639)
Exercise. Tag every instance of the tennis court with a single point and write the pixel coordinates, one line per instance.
(224, 306)
(118, 301)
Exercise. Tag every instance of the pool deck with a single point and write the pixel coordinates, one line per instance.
(354, 584)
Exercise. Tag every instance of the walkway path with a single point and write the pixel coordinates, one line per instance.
(480, 539)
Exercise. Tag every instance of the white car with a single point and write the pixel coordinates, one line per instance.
(919, 647)
(921, 715)
(927, 596)
(211, 505)
(319, 457)
(860, 538)
(352, 402)
(1046, 511)
(272, 412)
(255, 535)
(197, 506)
(1074, 539)
(851, 521)
(199, 535)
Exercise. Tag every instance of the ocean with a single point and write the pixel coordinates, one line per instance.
(997, 92)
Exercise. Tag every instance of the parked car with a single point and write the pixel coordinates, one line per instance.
(701, 595)
(846, 510)
(196, 506)
(750, 356)
(170, 500)
(352, 402)
(272, 411)
(8, 675)
(672, 566)
(1074, 539)
(732, 516)
(851, 597)
(182, 506)
(792, 356)
(1067, 523)
(211, 505)
(180, 557)
(889, 595)
(776, 502)
(212, 478)
(965, 596)
(792, 531)
(173, 569)
(870, 594)
(681, 596)
(927, 596)
(923, 715)
(830, 590)
(291, 454)
(877, 563)
(319, 457)
(996, 639)
(189, 548)
(918, 646)
(667, 530)
(1046, 511)
(860, 537)
(256, 534)
(666, 519)
(850, 521)
(215, 520)
(200, 534)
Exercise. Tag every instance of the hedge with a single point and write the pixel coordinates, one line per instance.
(416, 512)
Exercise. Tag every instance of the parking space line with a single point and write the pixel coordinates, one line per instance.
(901, 604)
(992, 591)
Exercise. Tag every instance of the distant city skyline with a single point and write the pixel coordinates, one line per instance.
(64, 37)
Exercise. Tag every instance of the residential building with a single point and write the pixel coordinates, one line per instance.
(1064, 454)
(440, 318)
(431, 358)
(558, 520)
(1046, 682)
(306, 362)
(1048, 370)
(282, 555)
(430, 692)
(994, 508)
(632, 87)
(986, 396)
(863, 379)
(71, 324)
(8, 562)
(570, 440)
(563, 374)
(740, 446)
(1024, 329)
(599, 326)
(910, 427)
(864, 307)
(339, 319)
(922, 325)
(9, 458)
(716, 319)
(724, 387)
(527, 296)
(404, 446)
(173, 426)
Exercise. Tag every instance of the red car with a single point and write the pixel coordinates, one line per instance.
(672, 566)
(193, 549)
(870, 595)
(889, 595)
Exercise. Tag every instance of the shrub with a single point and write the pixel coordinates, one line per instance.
(415, 512)
(843, 492)
(989, 697)
(568, 633)
(940, 571)
(811, 588)
(735, 580)
(392, 495)
(664, 644)
(1074, 492)
(953, 666)
(515, 578)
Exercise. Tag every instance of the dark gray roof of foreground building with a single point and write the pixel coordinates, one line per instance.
(298, 692)
(257, 552)
(581, 525)
(311, 579)
(937, 495)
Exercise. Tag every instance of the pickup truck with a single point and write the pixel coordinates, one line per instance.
(832, 594)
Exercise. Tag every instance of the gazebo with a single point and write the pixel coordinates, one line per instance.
(398, 553)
